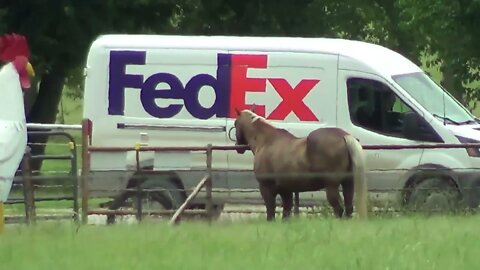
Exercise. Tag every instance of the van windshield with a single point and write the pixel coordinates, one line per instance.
(431, 96)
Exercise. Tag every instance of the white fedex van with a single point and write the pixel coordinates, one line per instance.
(183, 91)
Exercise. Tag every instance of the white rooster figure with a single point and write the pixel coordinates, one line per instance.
(14, 77)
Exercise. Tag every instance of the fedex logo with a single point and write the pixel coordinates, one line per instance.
(230, 85)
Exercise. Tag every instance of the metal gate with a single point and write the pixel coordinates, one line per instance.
(30, 182)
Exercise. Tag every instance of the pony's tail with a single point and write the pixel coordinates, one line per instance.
(357, 158)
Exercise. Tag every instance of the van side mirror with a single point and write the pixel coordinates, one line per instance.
(411, 125)
(416, 128)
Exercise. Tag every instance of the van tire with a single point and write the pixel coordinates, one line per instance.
(170, 198)
(434, 195)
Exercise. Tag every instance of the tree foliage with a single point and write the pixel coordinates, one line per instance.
(449, 30)
(60, 32)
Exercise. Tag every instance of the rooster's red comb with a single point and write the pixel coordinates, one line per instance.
(13, 45)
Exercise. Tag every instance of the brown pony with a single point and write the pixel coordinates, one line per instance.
(283, 164)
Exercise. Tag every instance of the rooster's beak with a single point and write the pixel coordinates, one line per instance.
(30, 70)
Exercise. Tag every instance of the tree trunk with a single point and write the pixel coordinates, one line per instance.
(451, 82)
(30, 96)
(44, 110)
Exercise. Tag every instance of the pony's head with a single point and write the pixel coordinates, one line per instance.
(243, 127)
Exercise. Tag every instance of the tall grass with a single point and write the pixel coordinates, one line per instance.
(401, 243)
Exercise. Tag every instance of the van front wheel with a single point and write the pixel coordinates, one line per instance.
(166, 196)
(434, 195)
(168, 199)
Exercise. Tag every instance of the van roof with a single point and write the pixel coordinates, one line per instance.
(380, 59)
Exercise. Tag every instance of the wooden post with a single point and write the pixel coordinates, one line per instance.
(296, 210)
(208, 185)
(74, 174)
(138, 183)
(192, 195)
(137, 156)
(2, 218)
(85, 170)
(139, 202)
(28, 188)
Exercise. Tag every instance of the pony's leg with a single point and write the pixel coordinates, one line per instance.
(287, 199)
(269, 194)
(348, 191)
(333, 197)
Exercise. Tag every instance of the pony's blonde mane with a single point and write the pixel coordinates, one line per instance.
(255, 117)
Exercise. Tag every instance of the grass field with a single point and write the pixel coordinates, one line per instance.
(401, 243)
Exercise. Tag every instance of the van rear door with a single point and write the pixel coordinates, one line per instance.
(158, 97)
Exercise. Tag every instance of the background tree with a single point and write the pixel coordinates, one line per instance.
(248, 17)
(451, 34)
(59, 33)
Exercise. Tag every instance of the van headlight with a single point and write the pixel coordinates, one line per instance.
(473, 152)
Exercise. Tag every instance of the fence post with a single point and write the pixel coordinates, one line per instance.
(28, 188)
(139, 202)
(138, 182)
(74, 176)
(2, 218)
(85, 170)
(296, 209)
(208, 185)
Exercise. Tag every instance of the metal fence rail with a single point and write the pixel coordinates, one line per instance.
(205, 184)
(28, 177)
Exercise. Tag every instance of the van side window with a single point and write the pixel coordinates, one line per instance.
(374, 106)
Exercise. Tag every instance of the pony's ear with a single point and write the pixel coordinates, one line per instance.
(253, 108)
(237, 111)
